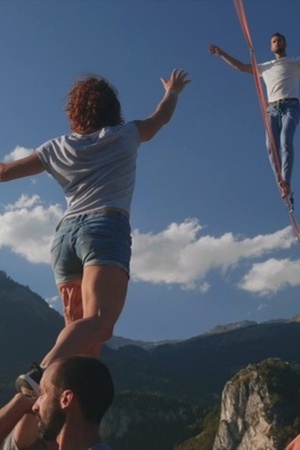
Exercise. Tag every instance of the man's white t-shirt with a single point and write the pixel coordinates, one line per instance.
(10, 444)
(281, 77)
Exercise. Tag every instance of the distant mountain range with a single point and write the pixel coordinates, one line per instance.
(193, 371)
(196, 370)
(118, 341)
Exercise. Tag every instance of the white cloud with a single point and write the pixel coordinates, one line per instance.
(271, 276)
(17, 153)
(182, 254)
(26, 227)
(23, 202)
(204, 287)
(55, 303)
(262, 306)
(178, 255)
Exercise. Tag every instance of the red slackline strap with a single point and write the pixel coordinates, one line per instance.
(263, 103)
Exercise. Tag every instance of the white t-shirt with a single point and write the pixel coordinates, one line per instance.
(281, 77)
(10, 444)
(97, 170)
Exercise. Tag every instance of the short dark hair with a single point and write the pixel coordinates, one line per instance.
(91, 382)
(279, 35)
(93, 103)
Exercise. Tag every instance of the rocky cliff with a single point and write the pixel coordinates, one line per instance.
(260, 408)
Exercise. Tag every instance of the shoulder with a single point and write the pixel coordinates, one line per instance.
(106, 132)
(131, 127)
(267, 64)
(52, 142)
(127, 127)
(288, 61)
(130, 130)
(293, 59)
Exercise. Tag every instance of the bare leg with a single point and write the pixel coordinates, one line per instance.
(71, 296)
(70, 293)
(103, 292)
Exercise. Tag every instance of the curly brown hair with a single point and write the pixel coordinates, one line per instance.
(92, 104)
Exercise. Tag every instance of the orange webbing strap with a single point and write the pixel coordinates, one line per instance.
(263, 103)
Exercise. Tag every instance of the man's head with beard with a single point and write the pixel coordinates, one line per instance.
(77, 387)
(278, 45)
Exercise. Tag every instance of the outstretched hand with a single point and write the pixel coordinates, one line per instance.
(177, 81)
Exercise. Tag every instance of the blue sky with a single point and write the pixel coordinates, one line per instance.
(212, 241)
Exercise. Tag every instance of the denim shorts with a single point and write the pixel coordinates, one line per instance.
(90, 239)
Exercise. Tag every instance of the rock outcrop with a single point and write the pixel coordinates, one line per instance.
(260, 406)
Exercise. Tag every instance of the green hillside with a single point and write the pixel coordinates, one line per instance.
(168, 388)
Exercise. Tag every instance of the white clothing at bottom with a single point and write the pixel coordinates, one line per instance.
(10, 444)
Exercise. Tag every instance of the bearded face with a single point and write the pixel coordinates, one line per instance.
(48, 410)
(51, 419)
(278, 45)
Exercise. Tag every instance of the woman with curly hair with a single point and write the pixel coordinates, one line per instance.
(95, 165)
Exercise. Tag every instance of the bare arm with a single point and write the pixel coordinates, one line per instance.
(26, 431)
(24, 167)
(12, 412)
(166, 107)
(233, 62)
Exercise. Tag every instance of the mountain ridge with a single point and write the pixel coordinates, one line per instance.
(188, 374)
